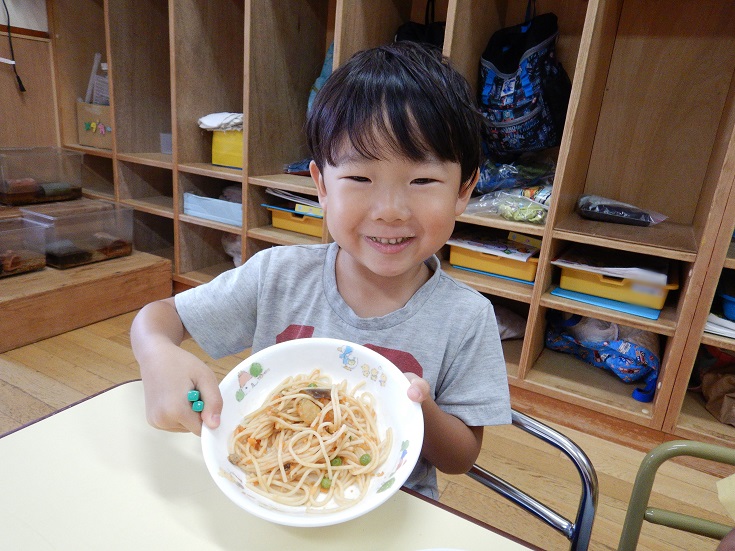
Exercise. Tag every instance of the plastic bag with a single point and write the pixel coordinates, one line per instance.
(525, 204)
(595, 207)
(528, 170)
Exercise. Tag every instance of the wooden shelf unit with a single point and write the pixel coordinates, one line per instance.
(639, 129)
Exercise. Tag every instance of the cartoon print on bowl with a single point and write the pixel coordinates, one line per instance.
(349, 361)
(401, 460)
(254, 373)
(345, 354)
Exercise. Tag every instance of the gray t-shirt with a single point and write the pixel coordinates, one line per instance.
(446, 333)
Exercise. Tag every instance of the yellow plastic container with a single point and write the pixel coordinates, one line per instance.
(299, 223)
(622, 289)
(227, 148)
(484, 262)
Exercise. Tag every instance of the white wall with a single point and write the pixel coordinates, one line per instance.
(25, 14)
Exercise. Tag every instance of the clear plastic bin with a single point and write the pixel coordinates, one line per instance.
(83, 231)
(22, 246)
(39, 175)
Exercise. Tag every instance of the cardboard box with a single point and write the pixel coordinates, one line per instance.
(94, 125)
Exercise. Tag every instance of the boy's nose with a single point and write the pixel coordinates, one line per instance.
(391, 205)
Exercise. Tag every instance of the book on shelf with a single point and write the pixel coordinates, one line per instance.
(618, 264)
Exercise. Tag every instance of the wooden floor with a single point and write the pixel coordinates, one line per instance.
(37, 379)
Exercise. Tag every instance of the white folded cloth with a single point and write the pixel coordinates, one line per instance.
(221, 121)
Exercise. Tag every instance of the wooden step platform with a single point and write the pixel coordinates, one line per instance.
(42, 304)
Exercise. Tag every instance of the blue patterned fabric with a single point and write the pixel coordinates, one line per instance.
(523, 89)
(629, 361)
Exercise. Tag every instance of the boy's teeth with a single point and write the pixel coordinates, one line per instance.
(391, 241)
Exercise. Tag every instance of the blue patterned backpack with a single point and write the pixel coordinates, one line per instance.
(523, 89)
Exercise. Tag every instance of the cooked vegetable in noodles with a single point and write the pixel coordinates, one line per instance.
(310, 443)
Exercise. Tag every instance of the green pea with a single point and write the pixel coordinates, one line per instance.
(365, 459)
(311, 385)
(336, 462)
(326, 483)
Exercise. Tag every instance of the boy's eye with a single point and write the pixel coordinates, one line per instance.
(358, 178)
(422, 181)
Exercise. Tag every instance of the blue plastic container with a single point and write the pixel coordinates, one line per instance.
(728, 306)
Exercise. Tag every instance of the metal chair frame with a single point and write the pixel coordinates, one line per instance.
(578, 532)
(638, 509)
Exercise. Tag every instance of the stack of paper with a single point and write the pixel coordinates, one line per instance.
(620, 264)
(302, 205)
(718, 325)
(498, 246)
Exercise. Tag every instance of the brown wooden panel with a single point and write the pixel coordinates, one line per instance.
(78, 30)
(27, 119)
(669, 77)
(50, 302)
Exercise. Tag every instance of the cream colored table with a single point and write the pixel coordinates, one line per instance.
(96, 476)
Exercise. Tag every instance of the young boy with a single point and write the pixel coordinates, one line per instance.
(395, 140)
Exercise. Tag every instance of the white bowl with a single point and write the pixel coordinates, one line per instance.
(246, 387)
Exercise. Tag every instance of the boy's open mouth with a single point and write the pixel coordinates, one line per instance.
(389, 240)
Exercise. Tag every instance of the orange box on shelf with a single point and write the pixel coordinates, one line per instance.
(493, 264)
(627, 290)
(286, 219)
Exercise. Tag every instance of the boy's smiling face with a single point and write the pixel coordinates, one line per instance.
(389, 215)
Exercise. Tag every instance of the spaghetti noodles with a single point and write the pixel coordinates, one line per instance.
(312, 441)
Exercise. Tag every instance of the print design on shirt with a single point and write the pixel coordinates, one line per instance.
(403, 360)
(293, 332)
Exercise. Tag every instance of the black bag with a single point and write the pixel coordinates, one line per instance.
(524, 90)
(431, 32)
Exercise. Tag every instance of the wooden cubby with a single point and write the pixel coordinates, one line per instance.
(650, 122)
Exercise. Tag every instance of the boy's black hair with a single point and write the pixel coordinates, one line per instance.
(400, 98)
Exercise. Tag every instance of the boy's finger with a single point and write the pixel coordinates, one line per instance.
(212, 398)
(192, 421)
(419, 390)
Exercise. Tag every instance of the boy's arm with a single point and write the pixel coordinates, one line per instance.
(169, 372)
(449, 444)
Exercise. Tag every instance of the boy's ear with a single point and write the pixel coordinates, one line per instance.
(465, 193)
(321, 189)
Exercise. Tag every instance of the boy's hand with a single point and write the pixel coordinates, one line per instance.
(167, 382)
(419, 391)
(169, 372)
